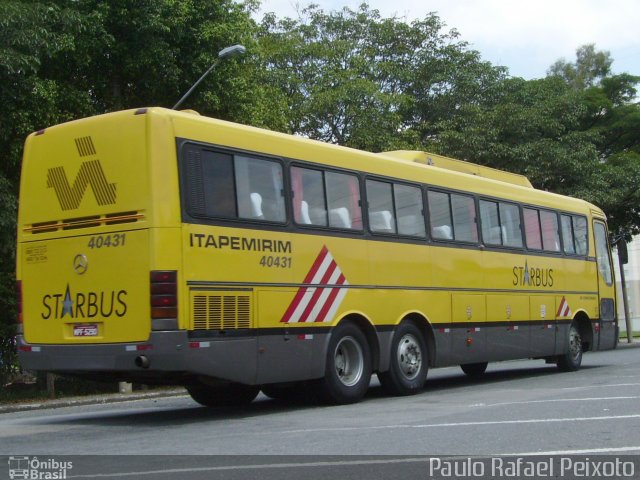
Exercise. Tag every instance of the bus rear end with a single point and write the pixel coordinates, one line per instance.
(85, 227)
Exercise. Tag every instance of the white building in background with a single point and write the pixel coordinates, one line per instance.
(632, 278)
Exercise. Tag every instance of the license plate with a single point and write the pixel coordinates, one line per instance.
(85, 330)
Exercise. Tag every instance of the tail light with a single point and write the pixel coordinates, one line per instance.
(164, 299)
(20, 318)
(19, 300)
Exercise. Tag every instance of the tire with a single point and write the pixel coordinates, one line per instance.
(474, 369)
(348, 366)
(409, 362)
(571, 360)
(232, 394)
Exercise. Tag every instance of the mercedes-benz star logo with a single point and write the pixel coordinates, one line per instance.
(80, 264)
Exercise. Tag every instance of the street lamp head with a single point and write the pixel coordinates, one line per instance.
(232, 51)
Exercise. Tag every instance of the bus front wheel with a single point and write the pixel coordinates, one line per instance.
(571, 360)
(348, 366)
(233, 394)
(409, 365)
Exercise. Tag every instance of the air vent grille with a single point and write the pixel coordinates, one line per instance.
(216, 311)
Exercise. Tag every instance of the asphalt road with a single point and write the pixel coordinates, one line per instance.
(519, 408)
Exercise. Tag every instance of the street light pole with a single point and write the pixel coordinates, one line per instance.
(233, 51)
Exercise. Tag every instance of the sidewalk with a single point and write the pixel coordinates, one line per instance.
(90, 400)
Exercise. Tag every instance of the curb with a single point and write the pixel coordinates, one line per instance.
(90, 400)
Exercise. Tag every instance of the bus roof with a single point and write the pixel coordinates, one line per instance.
(431, 159)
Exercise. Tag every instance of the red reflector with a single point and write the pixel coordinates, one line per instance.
(164, 312)
(164, 276)
(164, 301)
(142, 348)
(163, 289)
(19, 295)
(194, 344)
(24, 348)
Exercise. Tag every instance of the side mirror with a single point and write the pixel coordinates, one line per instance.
(623, 253)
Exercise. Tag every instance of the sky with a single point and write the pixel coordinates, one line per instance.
(525, 36)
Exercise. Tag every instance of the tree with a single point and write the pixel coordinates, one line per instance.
(612, 118)
(30, 34)
(589, 68)
(354, 78)
(530, 127)
(62, 59)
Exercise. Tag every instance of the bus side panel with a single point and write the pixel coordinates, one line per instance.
(511, 338)
(543, 329)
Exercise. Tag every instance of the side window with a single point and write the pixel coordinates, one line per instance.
(309, 202)
(343, 200)
(510, 222)
(532, 232)
(501, 223)
(380, 210)
(541, 230)
(326, 198)
(218, 196)
(452, 216)
(395, 208)
(602, 253)
(580, 235)
(464, 218)
(440, 216)
(223, 185)
(409, 210)
(550, 236)
(259, 189)
(567, 234)
(490, 219)
(574, 234)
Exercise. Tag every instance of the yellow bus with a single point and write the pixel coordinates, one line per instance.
(159, 246)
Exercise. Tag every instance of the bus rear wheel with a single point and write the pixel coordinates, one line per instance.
(408, 370)
(348, 366)
(571, 360)
(232, 394)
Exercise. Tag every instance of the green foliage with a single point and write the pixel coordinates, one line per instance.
(589, 68)
(63, 59)
(353, 78)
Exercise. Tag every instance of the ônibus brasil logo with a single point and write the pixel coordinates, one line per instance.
(34, 468)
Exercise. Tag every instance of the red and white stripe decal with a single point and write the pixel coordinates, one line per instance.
(563, 309)
(318, 304)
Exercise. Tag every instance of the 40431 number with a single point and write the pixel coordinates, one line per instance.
(270, 261)
(105, 241)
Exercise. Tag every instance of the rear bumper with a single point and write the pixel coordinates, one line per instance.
(168, 352)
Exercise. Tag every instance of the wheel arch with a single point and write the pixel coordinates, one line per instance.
(422, 322)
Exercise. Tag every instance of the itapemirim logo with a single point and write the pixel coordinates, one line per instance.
(90, 174)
